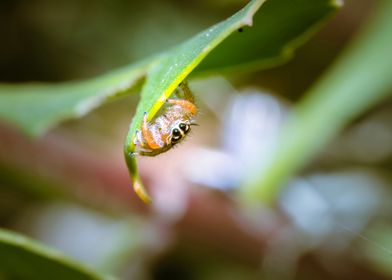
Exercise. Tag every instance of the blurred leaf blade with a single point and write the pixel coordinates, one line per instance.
(24, 258)
(36, 107)
(360, 79)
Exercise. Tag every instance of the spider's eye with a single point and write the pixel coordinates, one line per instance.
(176, 132)
(184, 127)
(176, 135)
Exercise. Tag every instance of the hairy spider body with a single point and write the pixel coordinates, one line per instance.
(170, 127)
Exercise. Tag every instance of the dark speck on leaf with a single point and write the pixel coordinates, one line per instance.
(240, 29)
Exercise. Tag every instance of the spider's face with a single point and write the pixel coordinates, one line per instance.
(179, 131)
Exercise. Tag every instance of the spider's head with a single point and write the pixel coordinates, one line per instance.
(179, 131)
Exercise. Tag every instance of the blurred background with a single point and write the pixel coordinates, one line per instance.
(71, 190)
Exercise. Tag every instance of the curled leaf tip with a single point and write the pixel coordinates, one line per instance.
(130, 158)
(141, 191)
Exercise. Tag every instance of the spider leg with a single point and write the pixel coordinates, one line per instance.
(138, 139)
(150, 153)
(187, 92)
(144, 152)
(148, 136)
(133, 154)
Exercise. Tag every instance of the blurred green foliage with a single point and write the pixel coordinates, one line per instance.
(22, 258)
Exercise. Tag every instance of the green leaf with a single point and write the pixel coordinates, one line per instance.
(277, 30)
(23, 258)
(360, 79)
(279, 27)
(36, 107)
(283, 21)
(170, 70)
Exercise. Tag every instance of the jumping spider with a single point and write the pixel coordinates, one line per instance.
(170, 127)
